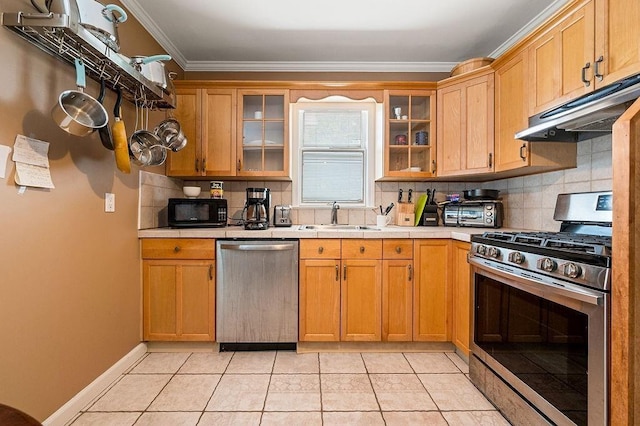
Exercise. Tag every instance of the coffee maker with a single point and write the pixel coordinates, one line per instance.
(256, 208)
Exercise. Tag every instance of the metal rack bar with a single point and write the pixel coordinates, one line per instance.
(59, 37)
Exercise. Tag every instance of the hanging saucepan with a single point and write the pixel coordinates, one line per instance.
(152, 68)
(171, 135)
(145, 147)
(101, 21)
(76, 112)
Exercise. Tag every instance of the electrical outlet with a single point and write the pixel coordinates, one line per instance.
(109, 202)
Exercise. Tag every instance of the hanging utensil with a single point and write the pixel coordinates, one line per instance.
(170, 134)
(145, 147)
(120, 138)
(76, 112)
(152, 68)
(105, 131)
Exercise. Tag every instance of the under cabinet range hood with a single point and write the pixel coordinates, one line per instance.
(585, 117)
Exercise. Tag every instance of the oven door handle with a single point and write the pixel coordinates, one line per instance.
(532, 285)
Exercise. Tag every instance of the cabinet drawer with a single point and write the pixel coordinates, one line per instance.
(362, 249)
(178, 248)
(319, 249)
(397, 249)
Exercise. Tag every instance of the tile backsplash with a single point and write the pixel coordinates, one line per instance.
(529, 201)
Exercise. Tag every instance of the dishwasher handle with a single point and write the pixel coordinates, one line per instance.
(257, 247)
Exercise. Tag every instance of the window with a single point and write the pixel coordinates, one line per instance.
(333, 152)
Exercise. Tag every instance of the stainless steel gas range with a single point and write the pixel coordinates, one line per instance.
(541, 311)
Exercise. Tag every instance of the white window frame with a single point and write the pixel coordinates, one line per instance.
(373, 151)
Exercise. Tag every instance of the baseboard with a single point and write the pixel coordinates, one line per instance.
(311, 347)
(66, 413)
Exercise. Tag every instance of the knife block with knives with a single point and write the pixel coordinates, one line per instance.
(406, 211)
(429, 216)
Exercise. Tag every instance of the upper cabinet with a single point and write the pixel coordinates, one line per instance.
(263, 127)
(514, 156)
(409, 148)
(617, 34)
(465, 125)
(591, 45)
(208, 120)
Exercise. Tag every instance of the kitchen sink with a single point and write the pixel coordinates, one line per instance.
(338, 228)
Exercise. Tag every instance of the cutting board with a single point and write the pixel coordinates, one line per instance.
(422, 201)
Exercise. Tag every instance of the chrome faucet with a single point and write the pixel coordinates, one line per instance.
(334, 213)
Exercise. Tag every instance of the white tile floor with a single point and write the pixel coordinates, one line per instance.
(285, 388)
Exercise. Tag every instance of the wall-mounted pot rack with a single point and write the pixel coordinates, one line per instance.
(59, 36)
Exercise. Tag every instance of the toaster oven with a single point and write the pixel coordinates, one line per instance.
(479, 214)
(197, 212)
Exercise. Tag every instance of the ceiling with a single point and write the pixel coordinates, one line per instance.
(336, 35)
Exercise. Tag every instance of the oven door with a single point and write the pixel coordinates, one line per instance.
(546, 338)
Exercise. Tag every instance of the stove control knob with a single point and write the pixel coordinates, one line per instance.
(494, 252)
(481, 249)
(516, 257)
(548, 265)
(571, 270)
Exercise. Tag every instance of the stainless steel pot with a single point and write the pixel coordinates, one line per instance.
(97, 18)
(146, 150)
(152, 68)
(170, 134)
(76, 112)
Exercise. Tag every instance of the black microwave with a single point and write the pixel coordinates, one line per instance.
(197, 212)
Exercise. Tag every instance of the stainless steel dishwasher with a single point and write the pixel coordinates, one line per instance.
(257, 294)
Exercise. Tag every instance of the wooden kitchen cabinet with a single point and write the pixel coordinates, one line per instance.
(589, 46)
(461, 287)
(263, 130)
(361, 290)
(431, 293)
(397, 290)
(465, 124)
(320, 279)
(178, 281)
(515, 156)
(560, 59)
(409, 145)
(208, 118)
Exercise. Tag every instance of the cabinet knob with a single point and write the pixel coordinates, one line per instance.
(176, 249)
(398, 249)
(361, 249)
(320, 249)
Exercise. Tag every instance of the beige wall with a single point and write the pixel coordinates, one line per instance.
(69, 273)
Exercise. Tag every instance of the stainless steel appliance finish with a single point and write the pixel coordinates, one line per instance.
(481, 214)
(282, 216)
(256, 208)
(257, 291)
(580, 118)
(542, 307)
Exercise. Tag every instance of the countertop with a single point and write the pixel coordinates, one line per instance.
(455, 233)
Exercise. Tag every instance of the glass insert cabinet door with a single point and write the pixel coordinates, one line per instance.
(263, 145)
(410, 133)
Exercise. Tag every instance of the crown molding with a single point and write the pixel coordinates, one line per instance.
(147, 23)
(529, 27)
(318, 66)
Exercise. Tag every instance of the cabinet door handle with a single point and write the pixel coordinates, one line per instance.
(410, 272)
(490, 160)
(211, 272)
(433, 166)
(523, 151)
(320, 249)
(344, 272)
(361, 249)
(584, 74)
(204, 164)
(337, 273)
(239, 165)
(596, 71)
(196, 165)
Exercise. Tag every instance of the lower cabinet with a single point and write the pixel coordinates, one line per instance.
(431, 292)
(461, 287)
(397, 290)
(178, 283)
